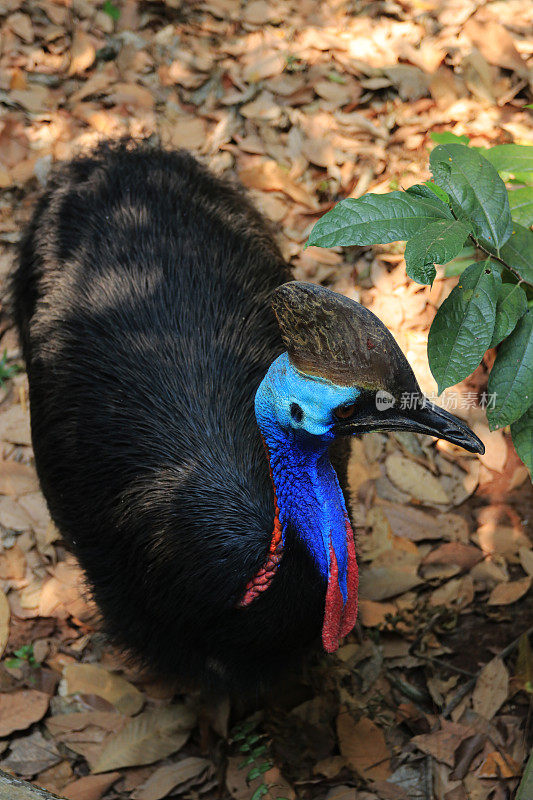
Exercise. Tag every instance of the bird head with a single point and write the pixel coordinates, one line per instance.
(342, 374)
(348, 374)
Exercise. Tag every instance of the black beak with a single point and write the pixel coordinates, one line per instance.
(421, 417)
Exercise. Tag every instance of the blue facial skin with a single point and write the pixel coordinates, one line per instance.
(307, 488)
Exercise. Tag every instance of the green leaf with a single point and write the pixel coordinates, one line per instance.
(509, 157)
(441, 194)
(432, 193)
(446, 137)
(521, 202)
(511, 305)
(463, 326)
(517, 177)
(476, 191)
(518, 252)
(458, 265)
(261, 791)
(437, 243)
(376, 219)
(511, 378)
(522, 435)
(111, 10)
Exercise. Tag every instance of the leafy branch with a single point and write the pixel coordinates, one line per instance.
(466, 202)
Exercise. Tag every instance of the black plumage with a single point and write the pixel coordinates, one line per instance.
(142, 297)
(143, 300)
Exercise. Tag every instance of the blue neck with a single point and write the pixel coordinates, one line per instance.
(309, 497)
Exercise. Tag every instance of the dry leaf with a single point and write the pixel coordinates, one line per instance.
(501, 539)
(492, 688)
(496, 766)
(443, 743)
(506, 593)
(17, 479)
(54, 779)
(171, 777)
(269, 176)
(380, 582)
(91, 787)
(131, 94)
(526, 559)
(93, 679)
(188, 132)
(12, 515)
(415, 480)
(464, 556)
(62, 725)
(147, 738)
(363, 746)
(259, 12)
(19, 710)
(21, 24)
(31, 754)
(373, 614)
(15, 425)
(82, 53)
(5, 614)
(495, 454)
(457, 592)
(496, 44)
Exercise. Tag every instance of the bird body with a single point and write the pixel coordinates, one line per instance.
(182, 443)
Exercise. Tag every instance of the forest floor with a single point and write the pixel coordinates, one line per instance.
(306, 102)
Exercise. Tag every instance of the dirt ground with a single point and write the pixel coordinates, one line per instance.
(307, 103)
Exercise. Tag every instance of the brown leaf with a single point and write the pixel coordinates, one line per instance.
(526, 559)
(131, 94)
(15, 425)
(91, 787)
(62, 725)
(31, 754)
(373, 614)
(495, 454)
(5, 614)
(259, 12)
(496, 44)
(170, 777)
(463, 555)
(147, 738)
(269, 176)
(415, 480)
(21, 24)
(496, 766)
(443, 743)
(363, 746)
(54, 779)
(380, 582)
(506, 593)
(93, 679)
(17, 479)
(457, 592)
(19, 710)
(82, 53)
(501, 539)
(491, 689)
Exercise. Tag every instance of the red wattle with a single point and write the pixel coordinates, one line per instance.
(339, 617)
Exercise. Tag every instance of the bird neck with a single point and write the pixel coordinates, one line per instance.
(309, 501)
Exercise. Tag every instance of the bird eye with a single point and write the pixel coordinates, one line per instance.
(296, 412)
(345, 412)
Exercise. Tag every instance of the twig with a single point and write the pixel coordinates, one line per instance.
(445, 665)
(497, 258)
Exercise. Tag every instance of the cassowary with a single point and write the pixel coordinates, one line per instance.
(180, 441)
